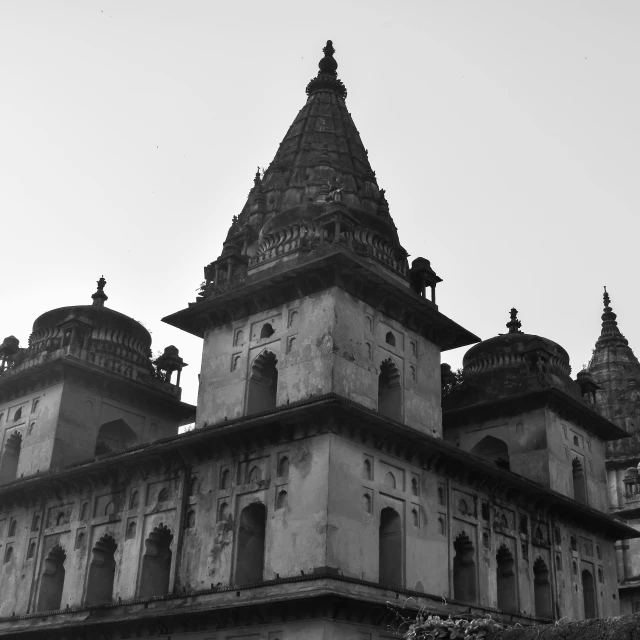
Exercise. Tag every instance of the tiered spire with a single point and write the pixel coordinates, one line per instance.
(610, 330)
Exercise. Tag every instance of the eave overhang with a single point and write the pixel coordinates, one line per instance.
(326, 413)
(333, 265)
(59, 364)
(550, 397)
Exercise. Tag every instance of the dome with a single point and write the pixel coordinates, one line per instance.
(513, 363)
(106, 325)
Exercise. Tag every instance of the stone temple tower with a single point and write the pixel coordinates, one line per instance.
(616, 371)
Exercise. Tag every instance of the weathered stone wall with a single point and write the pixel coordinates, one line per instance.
(323, 520)
(541, 447)
(322, 346)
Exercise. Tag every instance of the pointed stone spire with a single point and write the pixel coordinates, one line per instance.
(100, 297)
(514, 324)
(327, 78)
(610, 330)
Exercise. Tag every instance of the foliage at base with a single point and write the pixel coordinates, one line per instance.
(437, 628)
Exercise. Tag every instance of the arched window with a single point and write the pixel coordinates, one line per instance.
(416, 518)
(190, 520)
(390, 390)
(390, 339)
(115, 436)
(367, 471)
(32, 550)
(366, 503)
(281, 500)
(558, 562)
(239, 339)
(102, 571)
(225, 479)
(542, 589)
(156, 563)
(250, 549)
(266, 331)
(193, 486)
(573, 542)
(464, 569)
(135, 500)
(17, 415)
(589, 595)
(283, 467)
(494, 450)
(8, 554)
(442, 527)
(390, 548)
(13, 525)
(163, 495)
(441, 496)
(414, 486)
(35, 523)
(506, 580)
(52, 580)
(10, 458)
(263, 384)
(579, 482)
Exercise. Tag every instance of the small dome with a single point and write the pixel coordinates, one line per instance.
(513, 363)
(105, 324)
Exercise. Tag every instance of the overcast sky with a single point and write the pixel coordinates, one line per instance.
(505, 135)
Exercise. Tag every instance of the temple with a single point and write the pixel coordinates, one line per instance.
(337, 473)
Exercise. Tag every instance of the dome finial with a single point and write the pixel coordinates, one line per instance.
(514, 324)
(99, 297)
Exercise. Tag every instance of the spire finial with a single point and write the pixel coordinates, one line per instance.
(609, 322)
(99, 297)
(327, 79)
(514, 324)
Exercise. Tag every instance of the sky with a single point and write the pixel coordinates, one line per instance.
(504, 133)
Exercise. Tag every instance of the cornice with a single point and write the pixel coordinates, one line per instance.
(331, 266)
(329, 413)
(550, 397)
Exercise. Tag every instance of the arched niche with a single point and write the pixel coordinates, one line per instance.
(390, 390)
(263, 384)
(464, 569)
(589, 594)
(542, 589)
(390, 548)
(115, 436)
(579, 481)
(11, 457)
(250, 544)
(52, 580)
(102, 571)
(506, 580)
(156, 563)
(494, 450)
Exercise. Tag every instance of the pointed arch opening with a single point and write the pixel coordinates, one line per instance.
(464, 569)
(589, 594)
(52, 580)
(115, 436)
(542, 589)
(579, 482)
(390, 390)
(251, 538)
(11, 457)
(390, 548)
(494, 450)
(506, 580)
(156, 563)
(102, 571)
(263, 384)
